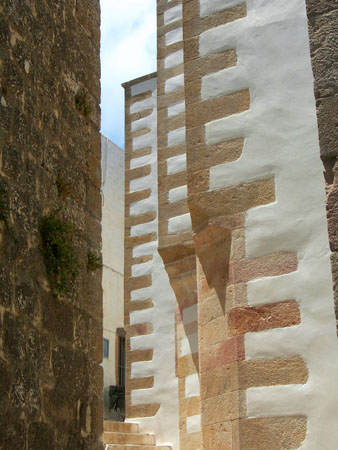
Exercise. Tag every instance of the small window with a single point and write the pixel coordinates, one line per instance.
(106, 348)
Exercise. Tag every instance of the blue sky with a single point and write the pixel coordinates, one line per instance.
(128, 51)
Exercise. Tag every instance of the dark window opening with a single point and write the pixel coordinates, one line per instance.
(121, 357)
(106, 348)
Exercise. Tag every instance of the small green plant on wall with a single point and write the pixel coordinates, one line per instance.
(58, 253)
(94, 262)
(4, 207)
(81, 103)
(64, 187)
(86, 110)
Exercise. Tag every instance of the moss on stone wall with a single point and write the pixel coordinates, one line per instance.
(58, 252)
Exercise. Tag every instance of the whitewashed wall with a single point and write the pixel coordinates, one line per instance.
(112, 163)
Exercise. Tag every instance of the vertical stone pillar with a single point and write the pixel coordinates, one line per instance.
(50, 306)
(175, 238)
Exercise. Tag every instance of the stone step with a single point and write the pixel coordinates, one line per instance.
(137, 447)
(128, 438)
(120, 427)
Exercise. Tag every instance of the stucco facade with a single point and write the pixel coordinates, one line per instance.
(227, 255)
(112, 189)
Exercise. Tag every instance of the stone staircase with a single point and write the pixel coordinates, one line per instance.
(126, 436)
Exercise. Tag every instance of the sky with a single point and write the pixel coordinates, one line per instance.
(128, 51)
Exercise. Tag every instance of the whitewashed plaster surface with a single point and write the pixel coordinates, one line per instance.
(140, 162)
(177, 164)
(208, 7)
(139, 183)
(173, 14)
(173, 59)
(179, 224)
(192, 385)
(194, 424)
(190, 314)
(143, 206)
(144, 249)
(112, 190)
(162, 316)
(144, 228)
(140, 123)
(281, 141)
(147, 140)
(177, 108)
(139, 270)
(176, 137)
(148, 103)
(174, 36)
(189, 344)
(142, 87)
(177, 194)
(174, 83)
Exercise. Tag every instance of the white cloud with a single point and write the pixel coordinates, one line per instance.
(128, 51)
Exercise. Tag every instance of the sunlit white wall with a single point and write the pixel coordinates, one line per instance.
(112, 187)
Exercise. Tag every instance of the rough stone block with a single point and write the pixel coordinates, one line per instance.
(327, 112)
(40, 435)
(276, 315)
(332, 217)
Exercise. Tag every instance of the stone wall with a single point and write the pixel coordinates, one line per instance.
(51, 340)
(175, 237)
(323, 30)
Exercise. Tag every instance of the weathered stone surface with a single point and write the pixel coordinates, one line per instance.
(319, 6)
(334, 263)
(40, 435)
(276, 315)
(6, 288)
(324, 45)
(13, 431)
(272, 433)
(218, 436)
(4, 380)
(14, 339)
(332, 217)
(279, 371)
(327, 113)
(323, 31)
(49, 345)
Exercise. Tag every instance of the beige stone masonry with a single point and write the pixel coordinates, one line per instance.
(180, 263)
(136, 98)
(137, 196)
(194, 25)
(141, 383)
(127, 436)
(135, 220)
(219, 236)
